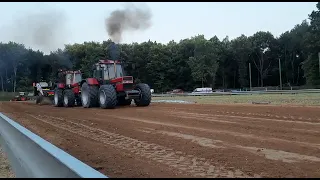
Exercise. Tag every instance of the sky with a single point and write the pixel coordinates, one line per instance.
(76, 22)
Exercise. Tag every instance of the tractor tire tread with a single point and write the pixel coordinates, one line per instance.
(59, 92)
(110, 97)
(71, 98)
(145, 98)
(93, 92)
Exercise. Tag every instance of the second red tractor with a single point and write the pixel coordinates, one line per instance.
(67, 89)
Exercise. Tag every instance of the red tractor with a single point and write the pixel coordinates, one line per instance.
(109, 87)
(67, 89)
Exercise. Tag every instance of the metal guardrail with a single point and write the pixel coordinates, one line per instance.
(33, 157)
(241, 93)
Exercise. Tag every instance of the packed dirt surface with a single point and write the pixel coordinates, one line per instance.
(182, 140)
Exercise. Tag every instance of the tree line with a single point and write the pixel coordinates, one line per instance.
(190, 63)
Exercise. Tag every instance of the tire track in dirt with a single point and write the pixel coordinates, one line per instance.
(199, 167)
(212, 129)
(289, 158)
(271, 154)
(310, 114)
(289, 131)
(241, 120)
(102, 120)
(237, 116)
(267, 172)
(231, 133)
(106, 159)
(246, 118)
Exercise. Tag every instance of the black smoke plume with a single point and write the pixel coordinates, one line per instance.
(131, 18)
(45, 30)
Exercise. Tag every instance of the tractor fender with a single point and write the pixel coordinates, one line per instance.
(61, 85)
(58, 85)
(92, 81)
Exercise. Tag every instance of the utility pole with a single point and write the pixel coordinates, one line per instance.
(250, 76)
(280, 74)
(319, 62)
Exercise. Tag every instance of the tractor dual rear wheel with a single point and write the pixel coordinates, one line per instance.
(58, 97)
(107, 97)
(68, 98)
(89, 95)
(145, 95)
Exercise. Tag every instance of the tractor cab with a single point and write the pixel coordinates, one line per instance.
(70, 77)
(108, 70)
(111, 72)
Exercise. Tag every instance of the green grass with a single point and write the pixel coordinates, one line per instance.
(307, 99)
(6, 96)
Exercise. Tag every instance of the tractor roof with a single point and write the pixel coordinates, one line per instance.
(107, 61)
(72, 72)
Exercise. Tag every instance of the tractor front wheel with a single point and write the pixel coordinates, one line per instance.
(58, 97)
(107, 97)
(145, 95)
(68, 98)
(89, 95)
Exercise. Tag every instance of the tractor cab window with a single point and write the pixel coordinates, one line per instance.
(77, 78)
(112, 73)
(109, 71)
(105, 74)
(119, 70)
(97, 73)
(69, 78)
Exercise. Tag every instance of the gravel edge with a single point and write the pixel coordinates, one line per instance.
(5, 168)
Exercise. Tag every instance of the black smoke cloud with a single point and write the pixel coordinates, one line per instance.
(131, 18)
(45, 30)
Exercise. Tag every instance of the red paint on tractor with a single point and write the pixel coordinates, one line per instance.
(92, 81)
(117, 80)
(76, 89)
(61, 85)
(75, 85)
(119, 87)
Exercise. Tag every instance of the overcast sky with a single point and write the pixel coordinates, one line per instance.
(79, 22)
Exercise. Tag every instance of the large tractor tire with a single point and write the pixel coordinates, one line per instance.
(145, 95)
(68, 98)
(58, 97)
(89, 95)
(107, 97)
(124, 102)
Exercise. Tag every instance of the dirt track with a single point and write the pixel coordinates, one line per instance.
(176, 140)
